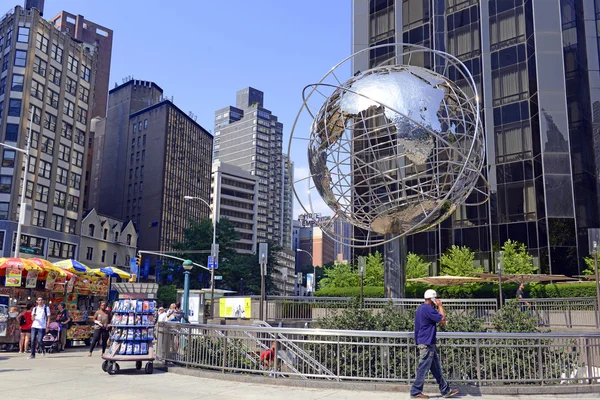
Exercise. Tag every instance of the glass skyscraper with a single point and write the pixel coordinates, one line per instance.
(536, 65)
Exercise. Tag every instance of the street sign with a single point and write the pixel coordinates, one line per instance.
(263, 252)
(212, 264)
(218, 278)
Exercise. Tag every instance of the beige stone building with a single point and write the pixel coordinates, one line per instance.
(107, 241)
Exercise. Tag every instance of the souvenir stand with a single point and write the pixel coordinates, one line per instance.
(132, 326)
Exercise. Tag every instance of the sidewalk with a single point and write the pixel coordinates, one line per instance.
(73, 375)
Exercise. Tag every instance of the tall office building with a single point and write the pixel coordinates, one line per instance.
(154, 155)
(250, 137)
(287, 214)
(536, 66)
(234, 196)
(47, 78)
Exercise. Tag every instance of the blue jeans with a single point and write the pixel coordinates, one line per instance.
(428, 361)
(40, 335)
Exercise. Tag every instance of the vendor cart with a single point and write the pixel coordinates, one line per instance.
(9, 326)
(132, 335)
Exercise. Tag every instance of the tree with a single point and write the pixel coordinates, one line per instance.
(374, 270)
(416, 266)
(591, 268)
(339, 275)
(516, 260)
(458, 261)
(167, 295)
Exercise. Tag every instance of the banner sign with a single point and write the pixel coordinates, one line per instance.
(13, 277)
(31, 280)
(50, 279)
(235, 307)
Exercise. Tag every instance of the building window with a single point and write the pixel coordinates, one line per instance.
(5, 183)
(72, 64)
(23, 35)
(116, 236)
(144, 140)
(42, 43)
(73, 203)
(32, 161)
(91, 229)
(14, 107)
(57, 222)
(37, 115)
(12, 132)
(39, 218)
(141, 187)
(77, 158)
(52, 99)
(17, 83)
(80, 137)
(8, 158)
(69, 108)
(105, 234)
(67, 131)
(2, 85)
(82, 115)
(84, 94)
(45, 169)
(90, 253)
(85, 73)
(142, 171)
(128, 239)
(29, 190)
(40, 66)
(143, 155)
(75, 181)
(71, 86)
(64, 152)
(70, 225)
(103, 256)
(50, 122)
(59, 198)
(47, 145)
(55, 76)
(57, 53)
(20, 58)
(134, 131)
(140, 126)
(145, 124)
(114, 259)
(41, 193)
(3, 210)
(127, 260)
(61, 250)
(62, 175)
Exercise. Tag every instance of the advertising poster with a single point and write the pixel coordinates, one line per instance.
(235, 307)
(50, 279)
(310, 283)
(71, 285)
(31, 280)
(3, 315)
(13, 277)
(194, 308)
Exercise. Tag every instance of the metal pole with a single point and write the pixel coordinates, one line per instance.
(212, 272)
(500, 286)
(361, 290)
(597, 280)
(186, 293)
(262, 291)
(23, 188)
(314, 288)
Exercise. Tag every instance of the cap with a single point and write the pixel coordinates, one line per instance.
(430, 294)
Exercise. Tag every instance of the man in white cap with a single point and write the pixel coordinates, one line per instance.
(426, 319)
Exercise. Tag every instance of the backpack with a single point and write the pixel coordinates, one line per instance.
(22, 320)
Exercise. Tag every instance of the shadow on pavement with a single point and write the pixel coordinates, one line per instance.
(12, 370)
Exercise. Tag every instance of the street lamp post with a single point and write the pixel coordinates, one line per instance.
(596, 276)
(314, 270)
(24, 184)
(187, 266)
(499, 262)
(212, 270)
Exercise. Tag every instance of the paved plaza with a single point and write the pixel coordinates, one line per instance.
(73, 375)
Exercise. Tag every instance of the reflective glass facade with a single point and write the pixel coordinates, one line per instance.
(535, 63)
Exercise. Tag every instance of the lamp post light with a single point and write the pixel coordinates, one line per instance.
(215, 254)
(21, 220)
(312, 261)
(187, 266)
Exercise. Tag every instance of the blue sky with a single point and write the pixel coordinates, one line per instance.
(201, 52)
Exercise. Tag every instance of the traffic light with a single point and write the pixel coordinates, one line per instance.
(133, 278)
(139, 259)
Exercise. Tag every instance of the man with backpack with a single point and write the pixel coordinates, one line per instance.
(41, 319)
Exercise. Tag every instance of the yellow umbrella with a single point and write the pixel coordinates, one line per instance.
(111, 271)
(20, 263)
(48, 266)
(73, 266)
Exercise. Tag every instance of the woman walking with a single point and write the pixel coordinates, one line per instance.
(25, 321)
(101, 321)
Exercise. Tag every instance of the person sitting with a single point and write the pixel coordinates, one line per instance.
(267, 357)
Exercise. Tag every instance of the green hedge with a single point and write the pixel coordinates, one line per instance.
(478, 291)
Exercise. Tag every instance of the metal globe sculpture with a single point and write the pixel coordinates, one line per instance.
(395, 149)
